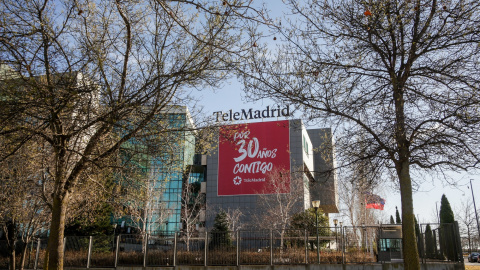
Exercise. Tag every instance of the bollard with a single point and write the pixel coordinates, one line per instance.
(271, 247)
(206, 247)
(238, 248)
(89, 255)
(37, 254)
(116, 250)
(175, 250)
(306, 246)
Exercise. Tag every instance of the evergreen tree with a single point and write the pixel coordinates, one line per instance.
(429, 243)
(307, 221)
(446, 230)
(446, 213)
(392, 221)
(419, 235)
(220, 232)
(93, 223)
(398, 220)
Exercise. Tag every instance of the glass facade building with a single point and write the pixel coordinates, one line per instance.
(161, 163)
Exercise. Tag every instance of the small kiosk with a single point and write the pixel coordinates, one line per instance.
(390, 243)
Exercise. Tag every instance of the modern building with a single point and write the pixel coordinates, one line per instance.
(260, 159)
(244, 164)
(160, 164)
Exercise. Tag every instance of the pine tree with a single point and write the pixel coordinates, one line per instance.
(398, 220)
(220, 233)
(220, 224)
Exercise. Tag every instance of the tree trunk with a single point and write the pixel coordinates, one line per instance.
(55, 249)
(187, 238)
(23, 256)
(11, 232)
(282, 235)
(11, 265)
(410, 255)
(469, 242)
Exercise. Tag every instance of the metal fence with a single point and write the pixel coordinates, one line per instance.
(342, 245)
(441, 242)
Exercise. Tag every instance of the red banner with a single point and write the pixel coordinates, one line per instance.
(249, 155)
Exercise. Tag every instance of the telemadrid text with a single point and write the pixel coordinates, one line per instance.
(252, 114)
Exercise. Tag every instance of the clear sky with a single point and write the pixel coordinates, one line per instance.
(230, 96)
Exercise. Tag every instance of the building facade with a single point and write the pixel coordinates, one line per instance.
(250, 164)
(156, 167)
(246, 165)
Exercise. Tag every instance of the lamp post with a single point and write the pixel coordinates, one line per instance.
(335, 222)
(316, 205)
(476, 215)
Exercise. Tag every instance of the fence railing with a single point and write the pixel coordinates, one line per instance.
(342, 245)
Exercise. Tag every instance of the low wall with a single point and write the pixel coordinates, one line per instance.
(385, 266)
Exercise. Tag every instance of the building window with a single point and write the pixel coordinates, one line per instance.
(305, 145)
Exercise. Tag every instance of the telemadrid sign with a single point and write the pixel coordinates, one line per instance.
(251, 114)
(248, 156)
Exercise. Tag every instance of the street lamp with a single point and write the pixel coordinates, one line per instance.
(476, 215)
(335, 222)
(316, 205)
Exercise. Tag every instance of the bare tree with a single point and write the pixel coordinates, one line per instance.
(193, 203)
(84, 69)
(466, 217)
(23, 213)
(144, 165)
(352, 199)
(398, 79)
(142, 204)
(282, 197)
(234, 219)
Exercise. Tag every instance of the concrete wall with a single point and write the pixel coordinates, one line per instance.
(386, 266)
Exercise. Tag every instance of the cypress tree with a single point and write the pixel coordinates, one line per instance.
(446, 213)
(429, 243)
(399, 220)
(419, 235)
(392, 221)
(446, 230)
